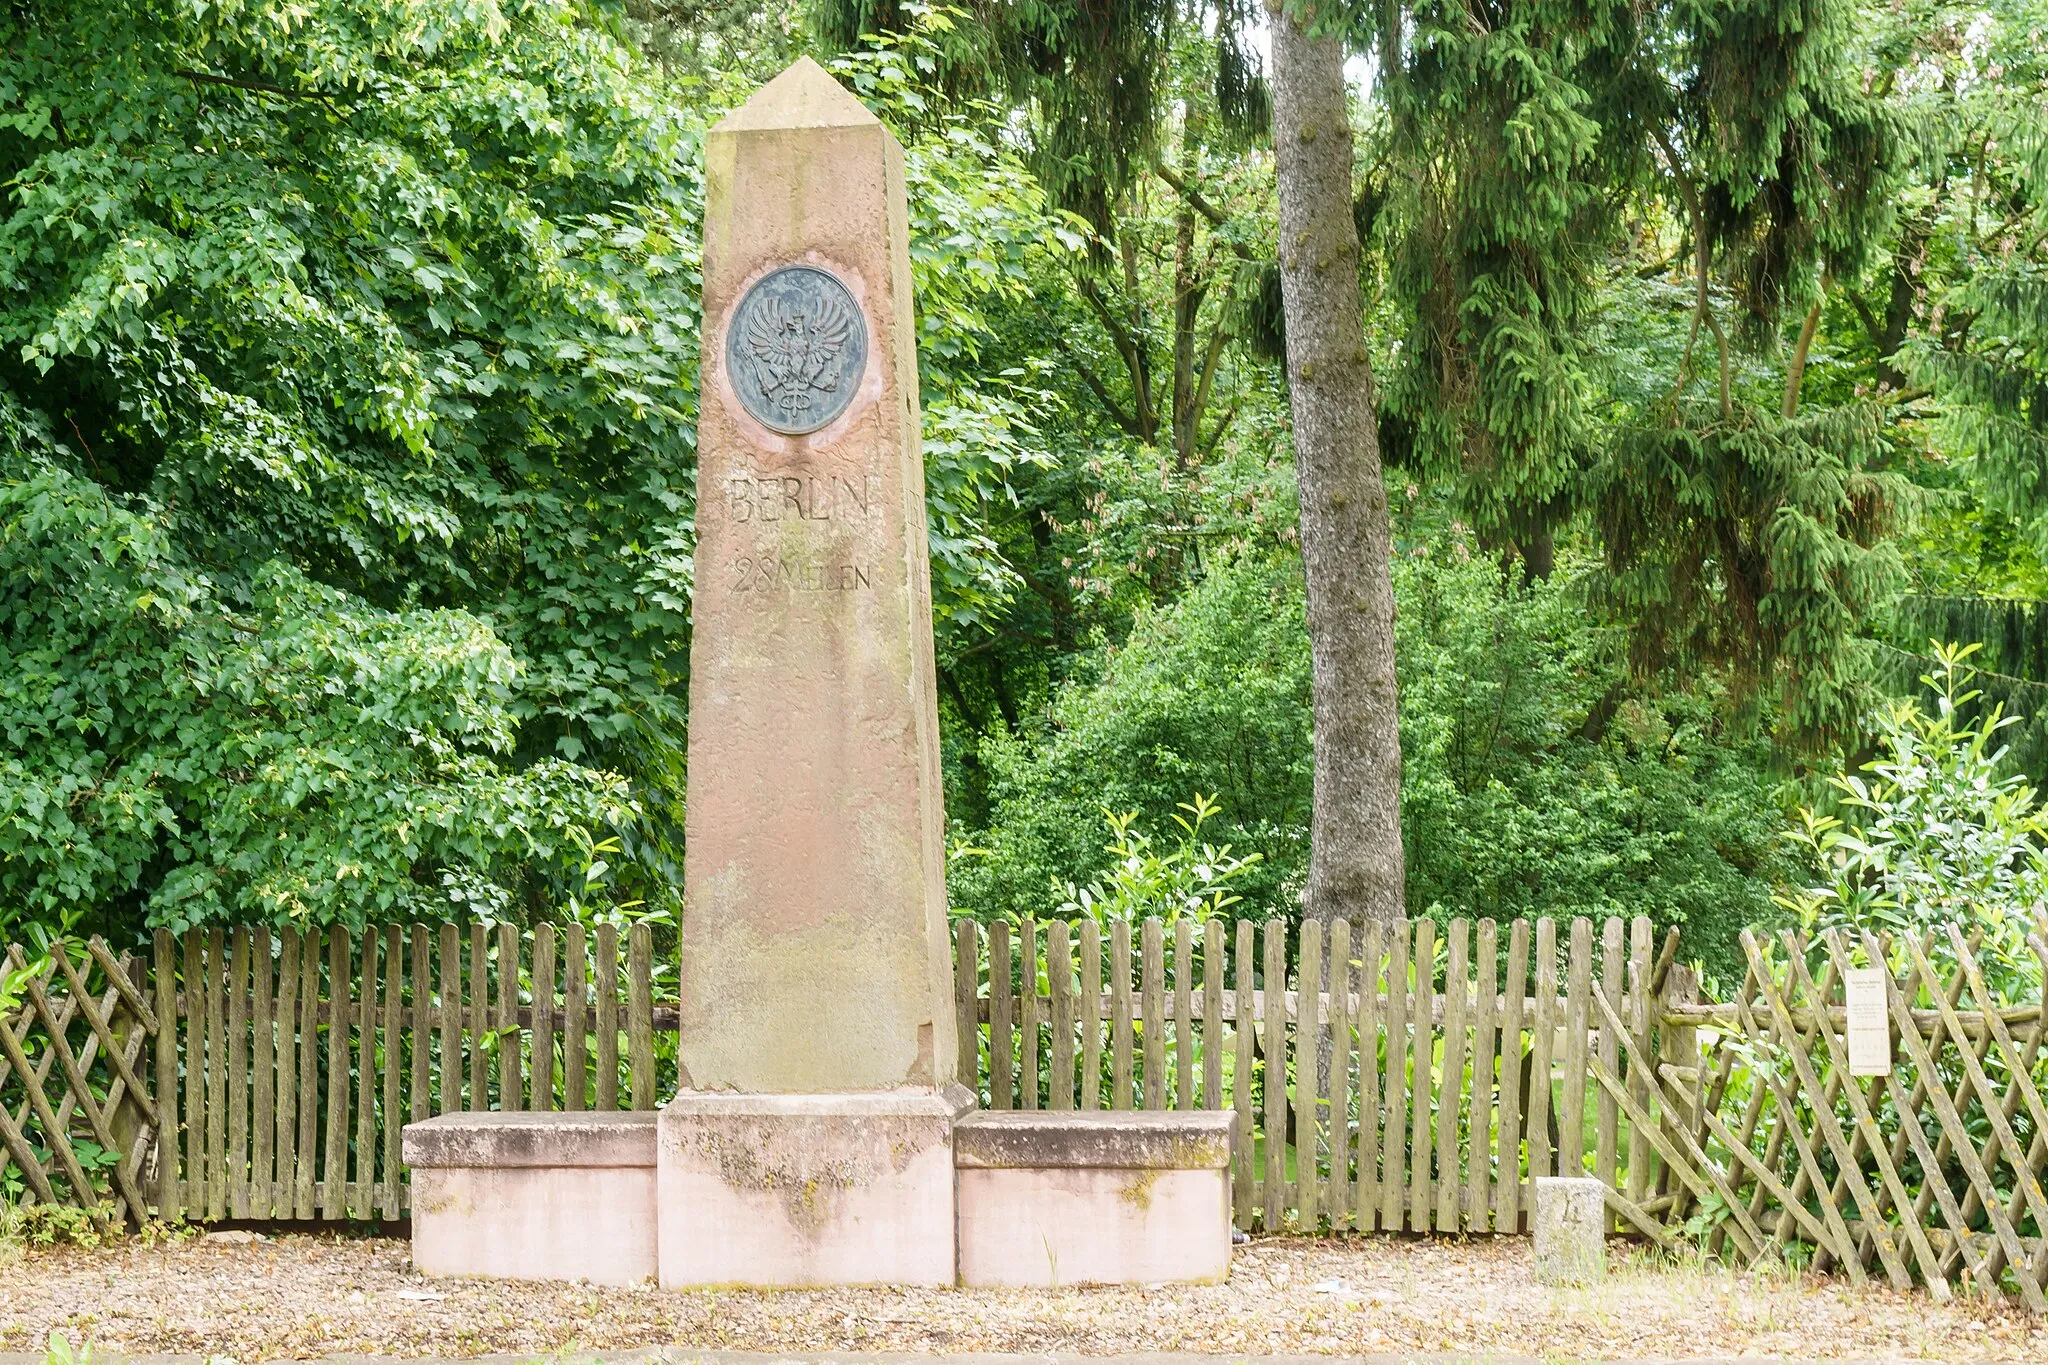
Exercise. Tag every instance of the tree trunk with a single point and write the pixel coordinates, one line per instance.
(1355, 858)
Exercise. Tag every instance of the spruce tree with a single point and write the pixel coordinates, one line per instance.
(1534, 154)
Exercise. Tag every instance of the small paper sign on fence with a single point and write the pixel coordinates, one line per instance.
(1870, 1033)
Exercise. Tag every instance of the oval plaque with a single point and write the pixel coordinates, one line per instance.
(796, 349)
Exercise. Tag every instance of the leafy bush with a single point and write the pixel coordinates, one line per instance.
(1939, 833)
(286, 753)
(1540, 778)
(1537, 778)
(1208, 694)
(1187, 878)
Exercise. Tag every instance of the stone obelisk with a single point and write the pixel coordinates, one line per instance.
(811, 1142)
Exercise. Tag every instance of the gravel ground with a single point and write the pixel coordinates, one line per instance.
(303, 1296)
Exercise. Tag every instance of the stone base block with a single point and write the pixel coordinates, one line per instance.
(774, 1191)
(1055, 1199)
(534, 1196)
(1570, 1230)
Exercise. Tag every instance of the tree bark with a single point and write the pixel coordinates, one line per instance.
(1356, 866)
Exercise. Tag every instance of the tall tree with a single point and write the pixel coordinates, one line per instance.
(1355, 863)
(1088, 77)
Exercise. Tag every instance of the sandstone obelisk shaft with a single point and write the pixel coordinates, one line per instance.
(814, 932)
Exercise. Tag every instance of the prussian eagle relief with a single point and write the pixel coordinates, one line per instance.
(803, 345)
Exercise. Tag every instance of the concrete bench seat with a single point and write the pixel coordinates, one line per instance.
(1052, 1199)
(534, 1196)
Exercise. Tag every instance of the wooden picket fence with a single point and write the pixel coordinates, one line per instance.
(1404, 1076)
(286, 1064)
(293, 1061)
(1930, 1170)
(1392, 1086)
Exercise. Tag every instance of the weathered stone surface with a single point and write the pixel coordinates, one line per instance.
(534, 1196)
(592, 1223)
(1570, 1230)
(788, 1190)
(1058, 1226)
(1122, 1140)
(528, 1139)
(815, 882)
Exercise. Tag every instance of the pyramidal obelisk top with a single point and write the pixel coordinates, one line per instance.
(815, 955)
(803, 96)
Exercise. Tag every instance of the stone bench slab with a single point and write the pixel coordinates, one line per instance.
(499, 1140)
(1060, 1199)
(534, 1196)
(1197, 1140)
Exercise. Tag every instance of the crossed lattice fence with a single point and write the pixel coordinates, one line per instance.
(76, 1114)
(1930, 1170)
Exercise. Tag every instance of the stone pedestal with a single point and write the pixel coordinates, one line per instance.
(1570, 1230)
(534, 1196)
(783, 1191)
(1050, 1200)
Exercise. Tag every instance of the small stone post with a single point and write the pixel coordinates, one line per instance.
(1570, 1230)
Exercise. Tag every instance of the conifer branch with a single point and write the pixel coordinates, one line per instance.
(1142, 424)
(1869, 321)
(1189, 192)
(1702, 263)
(1218, 334)
(1102, 394)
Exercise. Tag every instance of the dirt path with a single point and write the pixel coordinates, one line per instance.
(306, 1296)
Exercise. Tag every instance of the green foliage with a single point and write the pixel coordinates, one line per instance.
(1758, 545)
(347, 365)
(1208, 694)
(1994, 392)
(346, 481)
(1937, 835)
(285, 754)
(1189, 878)
(1950, 316)
(1537, 779)
(1087, 80)
(61, 1352)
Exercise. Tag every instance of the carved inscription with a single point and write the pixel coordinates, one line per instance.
(772, 573)
(757, 499)
(800, 497)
